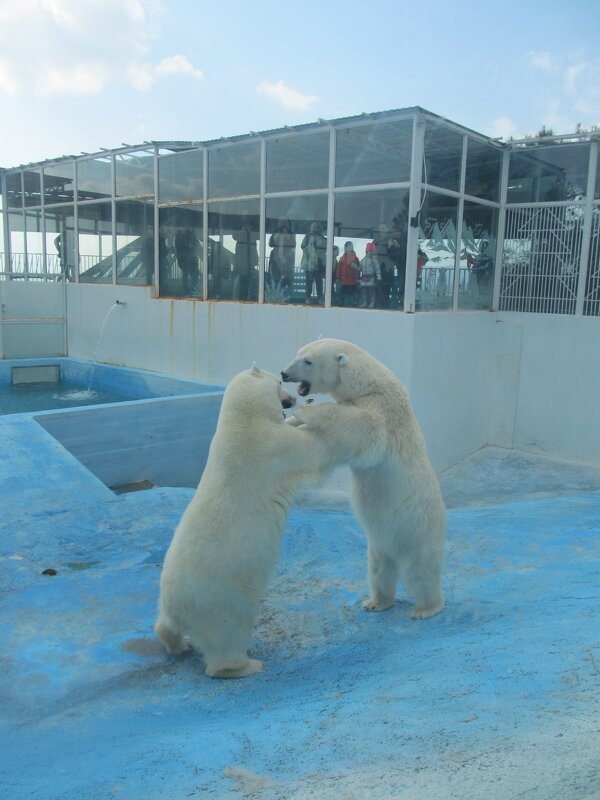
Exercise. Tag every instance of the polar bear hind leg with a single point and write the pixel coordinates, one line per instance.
(425, 586)
(383, 577)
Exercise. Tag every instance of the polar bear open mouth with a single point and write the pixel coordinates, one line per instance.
(304, 388)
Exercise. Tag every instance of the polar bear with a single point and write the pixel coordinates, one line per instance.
(223, 550)
(394, 491)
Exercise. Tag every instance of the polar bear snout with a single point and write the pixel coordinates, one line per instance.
(286, 399)
(300, 371)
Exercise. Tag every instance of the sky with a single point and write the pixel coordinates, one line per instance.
(80, 75)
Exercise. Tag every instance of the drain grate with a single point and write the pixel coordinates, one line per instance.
(137, 486)
(44, 373)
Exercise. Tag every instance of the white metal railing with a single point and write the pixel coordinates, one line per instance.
(541, 256)
(591, 305)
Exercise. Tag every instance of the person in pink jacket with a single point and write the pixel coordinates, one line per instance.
(347, 274)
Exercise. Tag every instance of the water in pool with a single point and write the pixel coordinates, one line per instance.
(26, 397)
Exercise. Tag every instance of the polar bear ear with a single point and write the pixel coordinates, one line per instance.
(342, 359)
(255, 369)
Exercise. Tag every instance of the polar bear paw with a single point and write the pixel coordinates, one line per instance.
(424, 612)
(377, 605)
(234, 669)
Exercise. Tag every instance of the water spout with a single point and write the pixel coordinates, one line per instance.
(95, 356)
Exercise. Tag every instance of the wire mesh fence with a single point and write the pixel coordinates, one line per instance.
(541, 257)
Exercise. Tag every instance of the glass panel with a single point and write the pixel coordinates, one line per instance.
(94, 178)
(34, 239)
(16, 228)
(437, 248)
(59, 183)
(379, 153)
(135, 243)
(95, 243)
(181, 176)
(14, 193)
(295, 273)
(32, 184)
(180, 253)
(443, 156)
(597, 189)
(376, 278)
(298, 161)
(134, 173)
(60, 241)
(234, 170)
(477, 256)
(484, 165)
(233, 230)
(180, 256)
(548, 174)
(3, 264)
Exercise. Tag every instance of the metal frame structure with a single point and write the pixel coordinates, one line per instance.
(417, 186)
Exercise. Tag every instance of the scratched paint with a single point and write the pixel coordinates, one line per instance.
(496, 697)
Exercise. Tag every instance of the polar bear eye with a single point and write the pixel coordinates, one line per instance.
(308, 362)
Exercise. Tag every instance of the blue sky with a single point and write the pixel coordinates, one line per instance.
(78, 75)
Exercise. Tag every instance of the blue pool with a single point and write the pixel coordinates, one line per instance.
(28, 385)
(126, 426)
(46, 395)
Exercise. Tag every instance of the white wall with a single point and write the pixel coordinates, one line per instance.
(557, 409)
(514, 380)
(453, 373)
(32, 319)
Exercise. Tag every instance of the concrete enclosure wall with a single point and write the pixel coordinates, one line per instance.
(164, 441)
(527, 381)
(32, 319)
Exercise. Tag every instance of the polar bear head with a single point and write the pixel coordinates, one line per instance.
(258, 390)
(332, 366)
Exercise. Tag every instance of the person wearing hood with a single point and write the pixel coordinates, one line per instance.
(370, 275)
(347, 273)
(314, 248)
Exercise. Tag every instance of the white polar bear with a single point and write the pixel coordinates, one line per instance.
(395, 492)
(218, 564)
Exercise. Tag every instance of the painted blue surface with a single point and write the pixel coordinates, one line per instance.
(496, 697)
(43, 396)
(161, 434)
(132, 384)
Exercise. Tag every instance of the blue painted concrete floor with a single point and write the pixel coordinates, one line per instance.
(498, 697)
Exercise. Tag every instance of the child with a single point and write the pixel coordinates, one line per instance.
(370, 274)
(347, 273)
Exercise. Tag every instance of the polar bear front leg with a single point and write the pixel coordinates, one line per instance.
(173, 641)
(383, 577)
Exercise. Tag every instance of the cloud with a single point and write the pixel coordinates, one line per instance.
(7, 82)
(287, 97)
(581, 83)
(82, 79)
(177, 65)
(566, 89)
(502, 128)
(77, 47)
(539, 59)
(571, 76)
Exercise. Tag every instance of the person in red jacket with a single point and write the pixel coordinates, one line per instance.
(347, 274)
